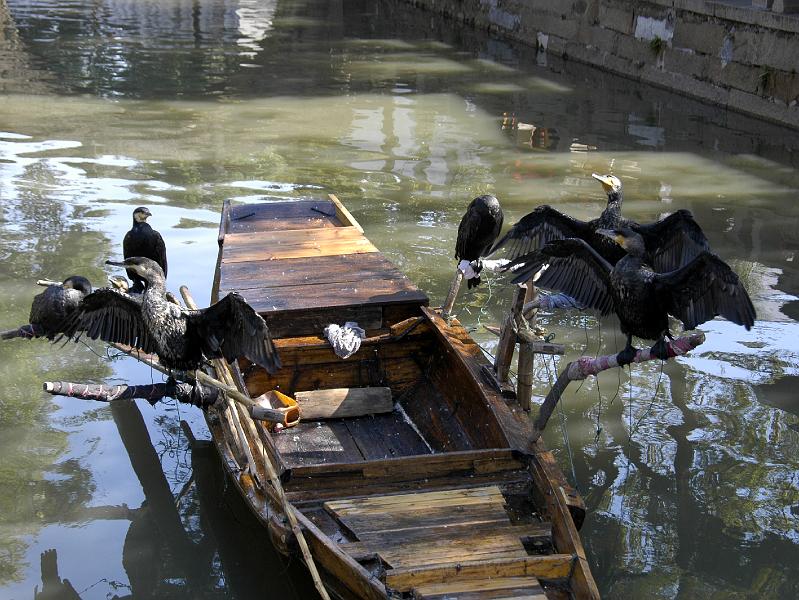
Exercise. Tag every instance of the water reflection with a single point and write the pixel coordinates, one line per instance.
(178, 105)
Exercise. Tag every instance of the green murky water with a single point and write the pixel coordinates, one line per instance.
(691, 474)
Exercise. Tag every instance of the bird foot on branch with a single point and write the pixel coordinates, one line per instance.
(626, 356)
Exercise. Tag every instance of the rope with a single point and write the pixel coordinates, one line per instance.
(346, 339)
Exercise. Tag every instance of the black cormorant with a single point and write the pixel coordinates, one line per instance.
(179, 337)
(51, 308)
(669, 243)
(143, 240)
(478, 230)
(642, 298)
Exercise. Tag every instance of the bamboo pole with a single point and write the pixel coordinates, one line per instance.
(27, 331)
(274, 478)
(587, 365)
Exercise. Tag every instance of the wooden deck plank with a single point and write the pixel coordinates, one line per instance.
(458, 589)
(386, 436)
(550, 567)
(302, 271)
(280, 216)
(307, 298)
(240, 247)
(315, 442)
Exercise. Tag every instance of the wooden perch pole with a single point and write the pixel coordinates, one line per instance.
(587, 365)
(524, 370)
(183, 392)
(29, 330)
(507, 337)
(272, 473)
(446, 310)
(254, 409)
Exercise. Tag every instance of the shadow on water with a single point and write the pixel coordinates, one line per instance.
(204, 543)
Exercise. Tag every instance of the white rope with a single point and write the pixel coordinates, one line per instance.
(346, 339)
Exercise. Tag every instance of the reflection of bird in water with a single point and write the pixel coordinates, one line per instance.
(180, 338)
(642, 299)
(50, 308)
(53, 587)
(478, 229)
(669, 243)
(143, 240)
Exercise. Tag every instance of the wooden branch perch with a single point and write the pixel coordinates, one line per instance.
(183, 392)
(587, 365)
(28, 330)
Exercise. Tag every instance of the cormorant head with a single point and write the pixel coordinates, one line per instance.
(78, 282)
(610, 183)
(144, 267)
(631, 241)
(140, 214)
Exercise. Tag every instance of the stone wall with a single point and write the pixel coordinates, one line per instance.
(743, 59)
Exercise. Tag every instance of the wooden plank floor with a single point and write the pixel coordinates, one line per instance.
(448, 527)
(299, 265)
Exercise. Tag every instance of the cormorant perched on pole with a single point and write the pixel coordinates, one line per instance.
(642, 299)
(52, 307)
(478, 230)
(669, 243)
(143, 240)
(179, 337)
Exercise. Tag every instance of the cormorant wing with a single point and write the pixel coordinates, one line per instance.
(673, 241)
(704, 288)
(112, 317)
(574, 268)
(537, 228)
(160, 250)
(468, 229)
(230, 329)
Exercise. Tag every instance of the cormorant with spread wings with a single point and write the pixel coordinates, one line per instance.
(180, 338)
(669, 243)
(642, 298)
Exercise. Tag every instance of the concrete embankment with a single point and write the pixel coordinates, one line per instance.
(743, 59)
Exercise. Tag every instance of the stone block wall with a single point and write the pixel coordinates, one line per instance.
(743, 59)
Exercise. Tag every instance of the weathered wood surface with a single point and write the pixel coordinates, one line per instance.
(341, 403)
(282, 216)
(550, 567)
(306, 264)
(428, 528)
(519, 588)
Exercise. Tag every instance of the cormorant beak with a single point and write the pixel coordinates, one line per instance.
(115, 263)
(615, 236)
(147, 212)
(606, 181)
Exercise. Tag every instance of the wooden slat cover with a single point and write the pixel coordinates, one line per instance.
(343, 268)
(309, 261)
(485, 589)
(298, 243)
(434, 527)
(280, 216)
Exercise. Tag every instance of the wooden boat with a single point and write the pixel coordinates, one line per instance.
(443, 495)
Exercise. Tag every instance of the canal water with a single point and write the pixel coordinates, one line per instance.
(690, 471)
